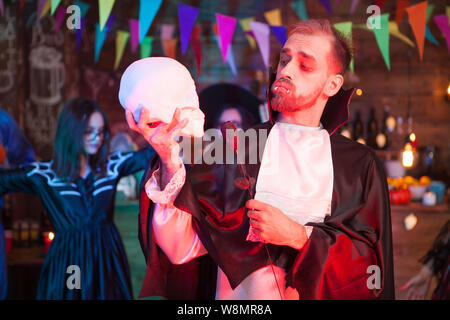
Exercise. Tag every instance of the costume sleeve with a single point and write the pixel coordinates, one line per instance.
(349, 255)
(15, 180)
(172, 227)
(439, 251)
(136, 161)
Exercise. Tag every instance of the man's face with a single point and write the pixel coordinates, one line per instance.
(302, 72)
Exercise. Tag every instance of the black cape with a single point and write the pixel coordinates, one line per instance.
(336, 261)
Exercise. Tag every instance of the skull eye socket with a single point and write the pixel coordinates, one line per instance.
(153, 124)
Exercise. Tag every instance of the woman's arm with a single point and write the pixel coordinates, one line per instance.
(15, 180)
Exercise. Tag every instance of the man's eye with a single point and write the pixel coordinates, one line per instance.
(304, 67)
(153, 124)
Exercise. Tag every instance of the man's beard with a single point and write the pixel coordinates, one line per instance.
(283, 101)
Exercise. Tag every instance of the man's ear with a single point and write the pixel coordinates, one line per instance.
(334, 83)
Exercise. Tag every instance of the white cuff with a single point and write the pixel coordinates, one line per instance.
(170, 192)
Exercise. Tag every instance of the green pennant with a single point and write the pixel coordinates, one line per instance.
(146, 47)
(346, 29)
(121, 41)
(382, 36)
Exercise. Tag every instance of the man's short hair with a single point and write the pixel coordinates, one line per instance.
(342, 49)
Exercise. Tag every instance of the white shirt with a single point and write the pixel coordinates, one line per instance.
(296, 176)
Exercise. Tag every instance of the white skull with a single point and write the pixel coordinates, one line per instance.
(161, 85)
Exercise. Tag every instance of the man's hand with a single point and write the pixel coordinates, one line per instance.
(161, 136)
(273, 226)
(417, 287)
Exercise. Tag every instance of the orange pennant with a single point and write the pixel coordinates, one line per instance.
(417, 18)
(170, 46)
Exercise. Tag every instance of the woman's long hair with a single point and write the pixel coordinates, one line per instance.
(69, 139)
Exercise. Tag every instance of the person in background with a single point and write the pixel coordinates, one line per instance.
(15, 150)
(86, 259)
(237, 114)
(436, 262)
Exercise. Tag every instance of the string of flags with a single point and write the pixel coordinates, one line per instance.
(257, 33)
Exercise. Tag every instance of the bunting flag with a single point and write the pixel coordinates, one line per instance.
(134, 34)
(167, 31)
(196, 44)
(121, 41)
(230, 56)
(442, 21)
(428, 34)
(79, 34)
(186, 19)
(147, 12)
(2, 8)
(400, 10)
(300, 9)
(100, 35)
(225, 26)
(60, 15)
(55, 4)
(146, 47)
(417, 14)
(245, 25)
(43, 8)
(327, 5)
(262, 33)
(170, 48)
(393, 29)
(346, 29)
(104, 10)
(273, 17)
(353, 6)
(84, 7)
(280, 33)
(380, 3)
(382, 36)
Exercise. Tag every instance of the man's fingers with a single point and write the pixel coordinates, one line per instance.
(255, 215)
(256, 205)
(131, 123)
(176, 130)
(143, 117)
(175, 120)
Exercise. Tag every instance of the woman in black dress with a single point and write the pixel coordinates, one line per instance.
(86, 259)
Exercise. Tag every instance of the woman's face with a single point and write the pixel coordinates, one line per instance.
(94, 133)
(231, 114)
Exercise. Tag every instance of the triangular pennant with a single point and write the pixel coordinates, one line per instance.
(262, 33)
(353, 6)
(100, 37)
(273, 17)
(346, 29)
(43, 8)
(84, 7)
(55, 4)
(167, 31)
(400, 10)
(417, 14)
(428, 35)
(121, 41)
(300, 9)
(327, 5)
(134, 33)
(280, 33)
(230, 56)
(79, 34)
(196, 44)
(379, 3)
(60, 15)
(147, 12)
(245, 25)
(186, 19)
(225, 26)
(442, 21)
(382, 36)
(104, 10)
(146, 47)
(393, 29)
(170, 48)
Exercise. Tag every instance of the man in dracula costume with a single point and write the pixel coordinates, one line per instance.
(310, 220)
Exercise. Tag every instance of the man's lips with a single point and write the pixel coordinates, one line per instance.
(281, 86)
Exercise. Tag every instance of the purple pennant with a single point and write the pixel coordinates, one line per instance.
(442, 22)
(134, 31)
(280, 33)
(60, 14)
(353, 6)
(327, 5)
(110, 22)
(186, 19)
(226, 26)
(79, 33)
